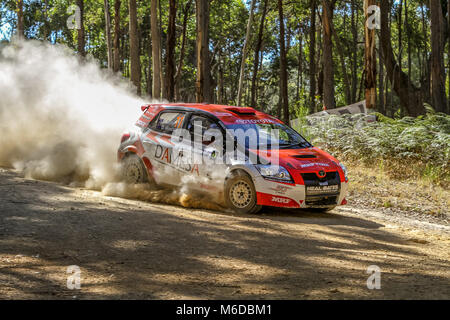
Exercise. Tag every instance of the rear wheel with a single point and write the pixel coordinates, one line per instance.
(240, 193)
(133, 170)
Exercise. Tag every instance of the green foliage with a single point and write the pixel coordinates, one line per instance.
(46, 20)
(406, 147)
(301, 111)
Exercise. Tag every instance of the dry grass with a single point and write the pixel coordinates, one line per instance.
(375, 188)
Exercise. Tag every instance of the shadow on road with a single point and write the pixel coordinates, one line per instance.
(130, 249)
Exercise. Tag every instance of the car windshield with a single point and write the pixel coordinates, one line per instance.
(268, 135)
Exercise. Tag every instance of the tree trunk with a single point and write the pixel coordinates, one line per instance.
(354, 50)
(244, 53)
(258, 80)
(408, 37)
(221, 87)
(437, 57)
(108, 34)
(370, 60)
(312, 57)
(448, 55)
(348, 97)
(381, 99)
(400, 34)
(156, 43)
(328, 68)
(170, 61)
(283, 66)
(202, 84)
(80, 35)
(320, 71)
(149, 68)
(399, 80)
(280, 100)
(147, 51)
(125, 52)
(257, 50)
(182, 50)
(116, 61)
(300, 65)
(20, 23)
(135, 68)
(161, 58)
(46, 27)
(360, 90)
(389, 98)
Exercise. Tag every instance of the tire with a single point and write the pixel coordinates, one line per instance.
(133, 170)
(240, 194)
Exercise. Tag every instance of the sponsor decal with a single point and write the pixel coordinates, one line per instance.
(280, 200)
(174, 159)
(223, 114)
(280, 189)
(307, 165)
(141, 123)
(322, 164)
(314, 190)
(253, 121)
(266, 199)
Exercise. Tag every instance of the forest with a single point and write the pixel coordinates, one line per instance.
(276, 56)
(368, 195)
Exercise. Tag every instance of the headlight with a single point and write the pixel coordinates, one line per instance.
(274, 172)
(345, 171)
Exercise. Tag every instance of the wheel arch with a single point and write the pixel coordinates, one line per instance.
(241, 170)
(125, 152)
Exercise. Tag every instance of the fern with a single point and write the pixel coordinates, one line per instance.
(418, 147)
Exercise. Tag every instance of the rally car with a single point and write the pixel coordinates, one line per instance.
(240, 156)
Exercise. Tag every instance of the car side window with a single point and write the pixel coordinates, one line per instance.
(167, 122)
(198, 125)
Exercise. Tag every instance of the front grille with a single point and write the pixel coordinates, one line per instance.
(311, 178)
(317, 197)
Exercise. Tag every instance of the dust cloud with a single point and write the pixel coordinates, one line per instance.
(182, 196)
(61, 119)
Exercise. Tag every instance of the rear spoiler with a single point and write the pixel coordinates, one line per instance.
(146, 106)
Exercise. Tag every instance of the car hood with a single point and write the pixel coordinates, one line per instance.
(307, 159)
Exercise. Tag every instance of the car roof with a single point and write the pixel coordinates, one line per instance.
(227, 114)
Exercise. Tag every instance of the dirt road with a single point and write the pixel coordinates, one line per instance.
(132, 249)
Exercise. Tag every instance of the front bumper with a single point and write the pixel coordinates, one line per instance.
(278, 194)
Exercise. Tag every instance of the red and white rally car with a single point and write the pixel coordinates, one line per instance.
(239, 156)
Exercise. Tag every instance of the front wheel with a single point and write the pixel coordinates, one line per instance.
(240, 194)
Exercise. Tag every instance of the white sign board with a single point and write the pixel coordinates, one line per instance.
(358, 107)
